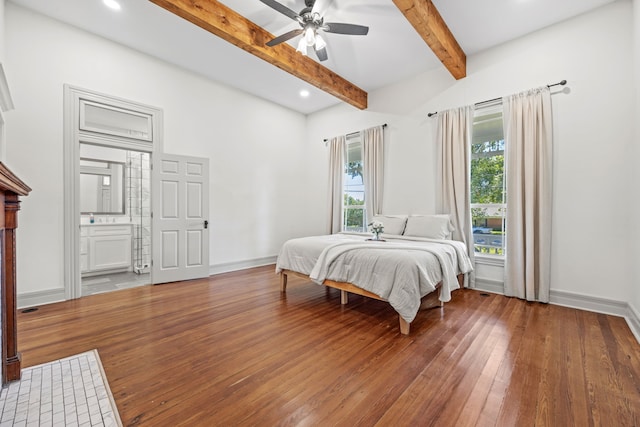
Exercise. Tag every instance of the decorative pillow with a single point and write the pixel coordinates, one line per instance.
(393, 224)
(430, 226)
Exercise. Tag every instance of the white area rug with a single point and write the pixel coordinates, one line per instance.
(67, 392)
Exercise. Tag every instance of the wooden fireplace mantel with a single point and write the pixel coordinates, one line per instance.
(11, 187)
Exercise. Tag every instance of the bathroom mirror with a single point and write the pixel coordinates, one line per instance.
(101, 187)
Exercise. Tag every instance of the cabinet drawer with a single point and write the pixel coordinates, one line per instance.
(110, 230)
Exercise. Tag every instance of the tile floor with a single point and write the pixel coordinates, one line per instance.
(66, 392)
(112, 282)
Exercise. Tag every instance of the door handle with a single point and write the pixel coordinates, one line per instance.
(206, 224)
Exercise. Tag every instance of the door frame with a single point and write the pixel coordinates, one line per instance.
(73, 136)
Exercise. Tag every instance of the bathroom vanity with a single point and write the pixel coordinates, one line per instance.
(105, 247)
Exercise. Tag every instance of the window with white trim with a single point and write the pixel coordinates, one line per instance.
(488, 202)
(354, 215)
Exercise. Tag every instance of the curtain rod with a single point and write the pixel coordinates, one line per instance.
(561, 83)
(353, 133)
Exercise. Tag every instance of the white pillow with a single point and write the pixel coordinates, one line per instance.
(430, 226)
(393, 224)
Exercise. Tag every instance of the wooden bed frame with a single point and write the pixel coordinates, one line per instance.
(345, 288)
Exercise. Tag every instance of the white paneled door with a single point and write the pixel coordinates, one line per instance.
(180, 218)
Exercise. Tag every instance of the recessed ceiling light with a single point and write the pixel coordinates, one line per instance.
(112, 4)
(304, 93)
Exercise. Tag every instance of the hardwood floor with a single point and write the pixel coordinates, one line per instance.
(233, 350)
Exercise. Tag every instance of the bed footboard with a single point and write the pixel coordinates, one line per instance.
(346, 288)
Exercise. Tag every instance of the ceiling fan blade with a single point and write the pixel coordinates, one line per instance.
(351, 29)
(281, 8)
(322, 54)
(286, 36)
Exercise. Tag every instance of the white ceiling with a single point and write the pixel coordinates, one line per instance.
(391, 52)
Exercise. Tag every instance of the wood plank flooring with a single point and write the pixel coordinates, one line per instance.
(232, 350)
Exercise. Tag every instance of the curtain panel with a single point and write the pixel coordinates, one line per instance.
(528, 162)
(336, 175)
(454, 137)
(373, 170)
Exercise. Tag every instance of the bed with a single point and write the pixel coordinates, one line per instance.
(401, 269)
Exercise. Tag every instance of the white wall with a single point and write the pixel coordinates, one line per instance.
(2, 31)
(259, 195)
(2, 60)
(635, 234)
(593, 135)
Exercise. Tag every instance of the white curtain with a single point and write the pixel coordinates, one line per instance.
(454, 137)
(336, 175)
(528, 162)
(373, 170)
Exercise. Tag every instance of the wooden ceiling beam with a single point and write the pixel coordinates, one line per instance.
(227, 24)
(426, 20)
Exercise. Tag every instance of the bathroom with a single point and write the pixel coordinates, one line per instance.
(115, 218)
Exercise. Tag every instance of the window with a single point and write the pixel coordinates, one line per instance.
(354, 215)
(488, 207)
(111, 120)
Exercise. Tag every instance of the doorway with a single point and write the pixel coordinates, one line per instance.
(115, 218)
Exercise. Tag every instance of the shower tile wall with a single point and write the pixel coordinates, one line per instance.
(139, 194)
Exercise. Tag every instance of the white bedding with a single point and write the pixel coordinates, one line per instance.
(401, 270)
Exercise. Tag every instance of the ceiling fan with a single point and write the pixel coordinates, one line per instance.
(311, 22)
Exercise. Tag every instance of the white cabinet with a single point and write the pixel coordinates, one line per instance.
(105, 248)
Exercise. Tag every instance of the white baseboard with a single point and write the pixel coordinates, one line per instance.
(589, 303)
(489, 285)
(566, 299)
(241, 265)
(31, 299)
(578, 301)
(599, 305)
(633, 320)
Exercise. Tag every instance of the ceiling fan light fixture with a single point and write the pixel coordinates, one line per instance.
(302, 46)
(310, 36)
(320, 43)
(310, 22)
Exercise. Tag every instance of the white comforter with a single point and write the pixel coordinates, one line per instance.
(401, 270)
